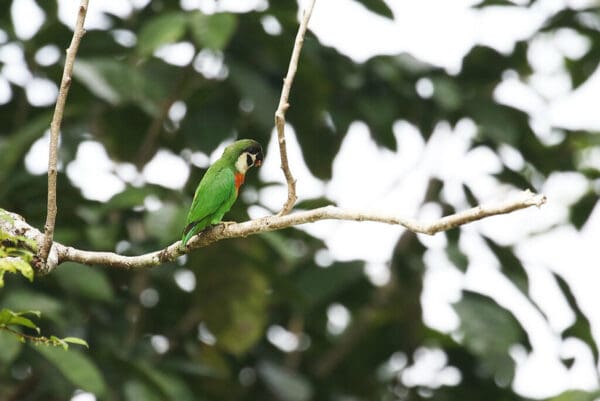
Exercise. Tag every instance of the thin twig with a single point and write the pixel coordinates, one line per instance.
(284, 105)
(269, 223)
(65, 84)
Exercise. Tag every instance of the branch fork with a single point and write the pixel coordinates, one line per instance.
(51, 253)
(57, 117)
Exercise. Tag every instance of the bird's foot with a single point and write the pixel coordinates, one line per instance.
(228, 223)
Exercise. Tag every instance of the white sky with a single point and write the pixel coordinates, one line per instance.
(441, 37)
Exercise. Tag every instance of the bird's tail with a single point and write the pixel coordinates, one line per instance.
(188, 233)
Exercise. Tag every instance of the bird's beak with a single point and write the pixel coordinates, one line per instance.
(257, 162)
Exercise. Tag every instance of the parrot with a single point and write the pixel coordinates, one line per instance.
(218, 189)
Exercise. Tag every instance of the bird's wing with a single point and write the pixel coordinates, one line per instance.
(212, 193)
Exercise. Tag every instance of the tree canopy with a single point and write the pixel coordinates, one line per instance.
(271, 316)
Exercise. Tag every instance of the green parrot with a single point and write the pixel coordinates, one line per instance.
(219, 187)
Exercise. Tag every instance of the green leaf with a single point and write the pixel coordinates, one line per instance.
(314, 203)
(489, 331)
(5, 316)
(76, 340)
(212, 31)
(488, 3)
(511, 265)
(23, 321)
(56, 342)
(76, 367)
(87, 281)
(14, 265)
(16, 253)
(161, 30)
(582, 209)
(8, 317)
(581, 327)
(457, 257)
(378, 7)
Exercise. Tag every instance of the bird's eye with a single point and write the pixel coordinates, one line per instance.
(249, 160)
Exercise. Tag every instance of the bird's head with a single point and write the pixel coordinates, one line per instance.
(245, 153)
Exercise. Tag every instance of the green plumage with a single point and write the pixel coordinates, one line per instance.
(217, 190)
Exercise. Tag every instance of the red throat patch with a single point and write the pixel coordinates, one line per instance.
(239, 180)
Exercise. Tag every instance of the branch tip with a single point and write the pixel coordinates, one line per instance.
(284, 106)
(71, 51)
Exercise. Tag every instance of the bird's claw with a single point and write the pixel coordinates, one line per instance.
(228, 223)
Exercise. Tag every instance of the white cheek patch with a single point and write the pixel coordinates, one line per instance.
(240, 164)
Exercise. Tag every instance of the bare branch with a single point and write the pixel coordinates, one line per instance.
(270, 223)
(65, 84)
(284, 105)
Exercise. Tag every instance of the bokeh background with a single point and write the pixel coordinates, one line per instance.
(417, 108)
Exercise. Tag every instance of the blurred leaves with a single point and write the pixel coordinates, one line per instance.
(199, 328)
(172, 387)
(378, 6)
(208, 31)
(581, 210)
(27, 300)
(286, 385)
(489, 331)
(317, 285)
(511, 265)
(76, 367)
(166, 223)
(162, 29)
(117, 83)
(84, 281)
(577, 395)
(10, 346)
(581, 327)
(136, 390)
(212, 31)
(13, 147)
(233, 305)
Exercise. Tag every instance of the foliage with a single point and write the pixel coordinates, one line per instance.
(16, 256)
(9, 320)
(16, 252)
(210, 326)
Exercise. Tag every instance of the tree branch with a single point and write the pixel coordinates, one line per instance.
(284, 105)
(65, 84)
(270, 223)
